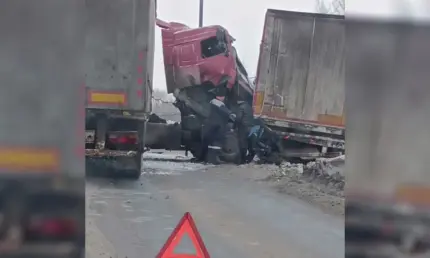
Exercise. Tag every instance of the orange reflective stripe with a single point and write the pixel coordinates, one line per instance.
(111, 98)
(414, 194)
(27, 159)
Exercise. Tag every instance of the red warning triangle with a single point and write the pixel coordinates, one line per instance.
(185, 225)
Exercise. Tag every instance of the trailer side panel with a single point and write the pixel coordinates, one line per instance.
(42, 94)
(388, 104)
(120, 54)
(300, 75)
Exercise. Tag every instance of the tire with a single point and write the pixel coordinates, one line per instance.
(230, 151)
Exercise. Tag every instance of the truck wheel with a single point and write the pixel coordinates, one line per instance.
(230, 151)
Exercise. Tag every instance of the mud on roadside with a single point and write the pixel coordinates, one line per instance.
(319, 183)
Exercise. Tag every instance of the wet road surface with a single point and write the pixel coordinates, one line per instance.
(236, 216)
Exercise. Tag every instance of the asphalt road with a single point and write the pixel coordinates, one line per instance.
(236, 216)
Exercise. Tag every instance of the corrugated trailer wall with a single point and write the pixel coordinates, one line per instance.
(301, 71)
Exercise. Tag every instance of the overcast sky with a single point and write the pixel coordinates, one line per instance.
(244, 20)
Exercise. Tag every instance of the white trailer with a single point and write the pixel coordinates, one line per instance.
(300, 91)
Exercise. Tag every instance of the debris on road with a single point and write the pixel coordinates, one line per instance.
(102, 153)
(163, 155)
(328, 169)
(320, 182)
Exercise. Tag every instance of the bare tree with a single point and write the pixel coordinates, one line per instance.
(331, 6)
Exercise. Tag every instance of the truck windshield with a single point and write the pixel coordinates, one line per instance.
(212, 47)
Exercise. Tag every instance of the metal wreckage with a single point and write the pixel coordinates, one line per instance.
(214, 96)
(213, 93)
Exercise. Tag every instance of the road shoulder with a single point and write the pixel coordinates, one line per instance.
(319, 192)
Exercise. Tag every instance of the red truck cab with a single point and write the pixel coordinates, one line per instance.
(201, 63)
(197, 56)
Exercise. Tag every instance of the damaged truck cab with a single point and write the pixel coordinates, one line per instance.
(201, 63)
(202, 56)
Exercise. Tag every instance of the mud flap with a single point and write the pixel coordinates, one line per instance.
(114, 165)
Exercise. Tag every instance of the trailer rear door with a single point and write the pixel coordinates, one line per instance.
(120, 54)
(41, 98)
